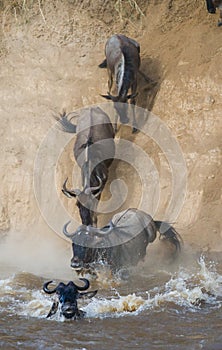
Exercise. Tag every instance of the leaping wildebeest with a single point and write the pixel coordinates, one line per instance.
(122, 62)
(120, 244)
(66, 298)
(94, 152)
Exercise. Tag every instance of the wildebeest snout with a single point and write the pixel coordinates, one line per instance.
(70, 310)
(122, 110)
(76, 263)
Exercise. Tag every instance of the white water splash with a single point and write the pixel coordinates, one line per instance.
(192, 291)
(185, 289)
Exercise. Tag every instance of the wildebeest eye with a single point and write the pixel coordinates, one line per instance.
(60, 288)
(61, 298)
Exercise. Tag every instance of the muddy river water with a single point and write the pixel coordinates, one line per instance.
(179, 308)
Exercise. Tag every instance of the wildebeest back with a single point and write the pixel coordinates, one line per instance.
(124, 245)
(95, 124)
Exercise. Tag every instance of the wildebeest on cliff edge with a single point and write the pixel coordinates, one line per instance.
(94, 151)
(121, 243)
(123, 63)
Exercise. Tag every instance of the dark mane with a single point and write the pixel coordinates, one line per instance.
(85, 214)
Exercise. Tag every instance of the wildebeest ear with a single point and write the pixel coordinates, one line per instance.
(103, 64)
(53, 310)
(70, 193)
(87, 294)
(111, 97)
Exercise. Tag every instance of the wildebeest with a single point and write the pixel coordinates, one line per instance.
(94, 152)
(120, 244)
(211, 7)
(122, 63)
(66, 298)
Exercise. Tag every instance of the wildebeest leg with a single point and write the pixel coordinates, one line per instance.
(168, 233)
(110, 80)
(133, 103)
(170, 4)
(210, 6)
(54, 308)
(115, 123)
(94, 219)
(80, 314)
(220, 18)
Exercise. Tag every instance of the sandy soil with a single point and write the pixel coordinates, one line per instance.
(50, 51)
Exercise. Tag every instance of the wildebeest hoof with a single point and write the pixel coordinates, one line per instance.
(199, 302)
(212, 10)
(134, 130)
(219, 24)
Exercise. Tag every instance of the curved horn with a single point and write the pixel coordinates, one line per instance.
(86, 286)
(46, 290)
(108, 97)
(66, 233)
(70, 193)
(78, 231)
(95, 188)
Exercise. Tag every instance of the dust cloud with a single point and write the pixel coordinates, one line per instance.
(38, 252)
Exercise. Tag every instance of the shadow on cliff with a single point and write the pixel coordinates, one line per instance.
(148, 89)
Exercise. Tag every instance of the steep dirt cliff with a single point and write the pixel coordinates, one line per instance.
(50, 51)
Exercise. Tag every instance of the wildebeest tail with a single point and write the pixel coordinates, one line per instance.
(65, 124)
(169, 233)
(103, 64)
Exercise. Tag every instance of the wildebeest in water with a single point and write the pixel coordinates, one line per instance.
(94, 152)
(121, 243)
(66, 296)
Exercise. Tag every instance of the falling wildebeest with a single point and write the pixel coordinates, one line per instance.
(211, 8)
(122, 63)
(66, 298)
(94, 152)
(120, 244)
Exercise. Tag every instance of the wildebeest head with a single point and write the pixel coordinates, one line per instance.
(119, 244)
(66, 297)
(85, 254)
(86, 200)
